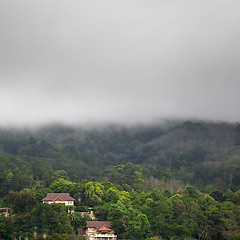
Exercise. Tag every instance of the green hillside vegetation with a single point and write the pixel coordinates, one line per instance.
(180, 181)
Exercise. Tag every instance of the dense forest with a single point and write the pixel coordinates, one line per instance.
(180, 180)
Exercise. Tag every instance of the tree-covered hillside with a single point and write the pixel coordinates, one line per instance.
(174, 181)
(193, 153)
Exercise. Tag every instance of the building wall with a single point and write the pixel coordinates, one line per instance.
(67, 203)
(93, 235)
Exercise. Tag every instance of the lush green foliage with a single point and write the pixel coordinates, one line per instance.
(135, 213)
(138, 178)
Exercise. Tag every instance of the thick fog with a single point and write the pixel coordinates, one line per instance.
(127, 61)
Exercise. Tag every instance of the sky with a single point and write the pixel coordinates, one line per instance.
(125, 61)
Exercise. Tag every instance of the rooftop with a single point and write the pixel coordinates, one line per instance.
(58, 197)
(104, 226)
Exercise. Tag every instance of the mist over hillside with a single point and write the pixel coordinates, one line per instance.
(126, 62)
(197, 153)
(131, 107)
(179, 179)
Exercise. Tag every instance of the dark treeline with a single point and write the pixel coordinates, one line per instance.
(175, 182)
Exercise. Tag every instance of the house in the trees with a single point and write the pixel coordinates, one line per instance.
(98, 230)
(64, 198)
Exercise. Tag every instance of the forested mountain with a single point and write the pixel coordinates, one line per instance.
(133, 169)
(195, 153)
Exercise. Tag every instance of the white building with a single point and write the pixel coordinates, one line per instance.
(59, 198)
(98, 230)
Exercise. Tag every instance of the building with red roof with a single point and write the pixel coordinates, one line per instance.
(64, 198)
(98, 230)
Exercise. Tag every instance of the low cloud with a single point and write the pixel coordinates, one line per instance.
(118, 61)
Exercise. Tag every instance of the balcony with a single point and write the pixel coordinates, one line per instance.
(103, 236)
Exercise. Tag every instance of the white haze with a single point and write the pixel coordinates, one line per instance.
(128, 61)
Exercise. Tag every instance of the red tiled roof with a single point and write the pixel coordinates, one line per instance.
(98, 225)
(105, 229)
(58, 197)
